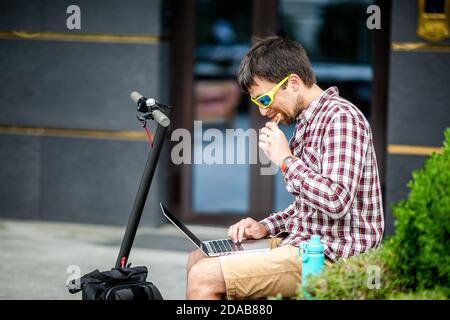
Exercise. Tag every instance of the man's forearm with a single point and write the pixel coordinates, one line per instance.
(275, 223)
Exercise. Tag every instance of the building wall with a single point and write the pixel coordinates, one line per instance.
(60, 98)
(65, 109)
(418, 102)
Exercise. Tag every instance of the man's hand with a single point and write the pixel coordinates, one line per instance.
(248, 229)
(274, 143)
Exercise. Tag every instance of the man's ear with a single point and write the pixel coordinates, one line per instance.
(295, 82)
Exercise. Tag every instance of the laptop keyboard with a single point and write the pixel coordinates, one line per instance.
(225, 245)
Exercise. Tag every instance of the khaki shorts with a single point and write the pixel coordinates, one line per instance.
(262, 274)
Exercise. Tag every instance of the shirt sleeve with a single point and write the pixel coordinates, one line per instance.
(331, 192)
(275, 223)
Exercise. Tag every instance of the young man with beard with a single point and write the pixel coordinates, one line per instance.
(329, 165)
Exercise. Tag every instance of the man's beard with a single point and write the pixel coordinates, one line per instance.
(290, 118)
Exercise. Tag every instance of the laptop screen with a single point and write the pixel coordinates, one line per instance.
(180, 225)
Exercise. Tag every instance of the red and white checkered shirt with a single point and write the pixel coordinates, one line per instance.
(334, 180)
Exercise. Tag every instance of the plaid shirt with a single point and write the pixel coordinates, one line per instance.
(334, 180)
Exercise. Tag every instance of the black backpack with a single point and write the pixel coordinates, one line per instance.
(116, 284)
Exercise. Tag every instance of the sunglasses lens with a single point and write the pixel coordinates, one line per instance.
(264, 100)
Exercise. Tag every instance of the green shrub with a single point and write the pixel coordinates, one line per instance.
(422, 228)
(354, 278)
(415, 262)
(435, 294)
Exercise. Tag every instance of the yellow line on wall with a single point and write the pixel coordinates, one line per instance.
(80, 37)
(75, 133)
(141, 136)
(412, 150)
(420, 47)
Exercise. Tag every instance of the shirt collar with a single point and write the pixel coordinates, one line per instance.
(317, 103)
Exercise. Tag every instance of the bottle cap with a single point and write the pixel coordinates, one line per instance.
(314, 245)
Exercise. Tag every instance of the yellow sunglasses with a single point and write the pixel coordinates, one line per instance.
(265, 100)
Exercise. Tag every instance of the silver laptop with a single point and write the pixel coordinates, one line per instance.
(220, 247)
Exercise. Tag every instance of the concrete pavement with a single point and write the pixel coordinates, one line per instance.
(37, 258)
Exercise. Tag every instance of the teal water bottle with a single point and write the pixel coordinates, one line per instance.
(313, 259)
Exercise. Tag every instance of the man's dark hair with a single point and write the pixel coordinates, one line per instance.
(273, 59)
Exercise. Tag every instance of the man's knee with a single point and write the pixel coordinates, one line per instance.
(198, 272)
(194, 257)
(197, 255)
(197, 282)
(205, 279)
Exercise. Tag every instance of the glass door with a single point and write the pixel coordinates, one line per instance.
(221, 169)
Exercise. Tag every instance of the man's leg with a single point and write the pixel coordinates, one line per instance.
(262, 274)
(205, 280)
(193, 258)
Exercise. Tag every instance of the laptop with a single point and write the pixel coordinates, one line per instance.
(219, 247)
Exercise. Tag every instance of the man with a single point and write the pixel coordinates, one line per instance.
(329, 166)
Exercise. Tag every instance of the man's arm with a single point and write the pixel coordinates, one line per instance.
(251, 229)
(332, 192)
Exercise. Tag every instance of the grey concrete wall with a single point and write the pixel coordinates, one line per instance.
(418, 104)
(99, 16)
(78, 85)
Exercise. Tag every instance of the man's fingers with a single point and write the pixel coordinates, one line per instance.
(263, 138)
(231, 232)
(244, 229)
(235, 233)
(241, 234)
(266, 131)
(272, 126)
